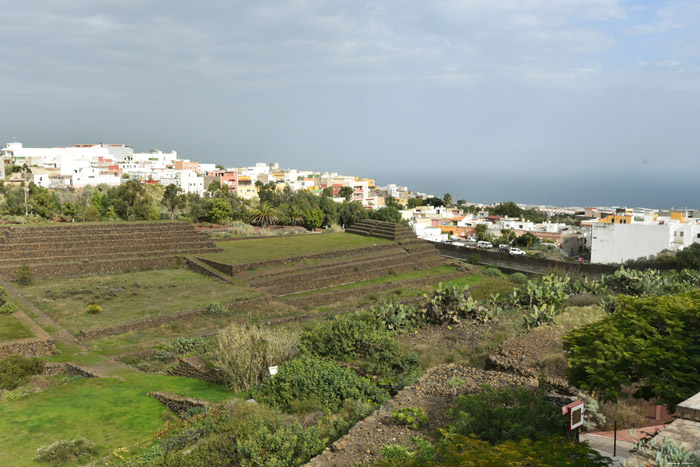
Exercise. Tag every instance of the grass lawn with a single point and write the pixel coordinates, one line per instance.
(11, 329)
(129, 296)
(110, 412)
(261, 249)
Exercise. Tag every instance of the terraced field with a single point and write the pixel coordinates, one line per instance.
(282, 281)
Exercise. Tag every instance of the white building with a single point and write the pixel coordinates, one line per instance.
(188, 180)
(91, 176)
(424, 230)
(618, 243)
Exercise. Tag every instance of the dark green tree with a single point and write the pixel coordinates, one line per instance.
(346, 192)
(508, 208)
(414, 203)
(434, 201)
(219, 211)
(173, 199)
(649, 346)
(313, 218)
(447, 199)
(386, 214)
(526, 240)
(349, 213)
(132, 202)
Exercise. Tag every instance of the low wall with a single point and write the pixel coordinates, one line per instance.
(67, 368)
(178, 404)
(193, 265)
(32, 347)
(39, 345)
(526, 264)
(197, 368)
(94, 267)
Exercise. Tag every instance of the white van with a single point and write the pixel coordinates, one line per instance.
(483, 244)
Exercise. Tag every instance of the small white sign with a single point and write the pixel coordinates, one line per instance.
(272, 370)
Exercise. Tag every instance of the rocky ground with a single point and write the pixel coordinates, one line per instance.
(432, 392)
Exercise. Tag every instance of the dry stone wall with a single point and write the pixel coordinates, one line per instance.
(178, 404)
(39, 345)
(67, 250)
(232, 269)
(197, 368)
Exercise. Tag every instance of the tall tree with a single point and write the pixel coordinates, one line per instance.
(649, 346)
(263, 215)
(447, 199)
(172, 199)
(346, 192)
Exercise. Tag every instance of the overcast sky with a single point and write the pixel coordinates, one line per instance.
(389, 89)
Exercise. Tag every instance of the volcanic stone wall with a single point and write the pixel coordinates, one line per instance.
(41, 344)
(380, 229)
(73, 249)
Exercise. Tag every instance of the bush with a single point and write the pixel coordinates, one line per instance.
(24, 275)
(457, 449)
(343, 337)
(507, 414)
(8, 308)
(398, 317)
(306, 377)
(356, 336)
(94, 309)
(186, 345)
(241, 433)
(411, 416)
(492, 272)
(3, 296)
(164, 356)
(244, 353)
(78, 449)
(15, 368)
(216, 309)
(474, 259)
(518, 278)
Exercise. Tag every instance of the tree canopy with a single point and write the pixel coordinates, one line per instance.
(651, 344)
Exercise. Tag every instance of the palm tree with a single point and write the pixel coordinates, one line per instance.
(264, 215)
(296, 216)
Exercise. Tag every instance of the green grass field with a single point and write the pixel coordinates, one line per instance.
(247, 251)
(110, 412)
(11, 329)
(129, 296)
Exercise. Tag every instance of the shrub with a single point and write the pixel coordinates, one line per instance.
(186, 345)
(244, 353)
(15, 368)
(340, 338)
(78, 449)
(24, 275)
(492, 272)
(518, 278)
(507, 414)
(3, 295)
(457, 449)
(411, 416)
(164, 356)
(474, 259)
(94, 309)
(8, 308)
(306, 376)
(216, 309)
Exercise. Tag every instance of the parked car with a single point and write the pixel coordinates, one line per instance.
(503, 247)
(516, 251)
(483, 244)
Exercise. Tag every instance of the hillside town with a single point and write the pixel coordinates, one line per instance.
(607, 235)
